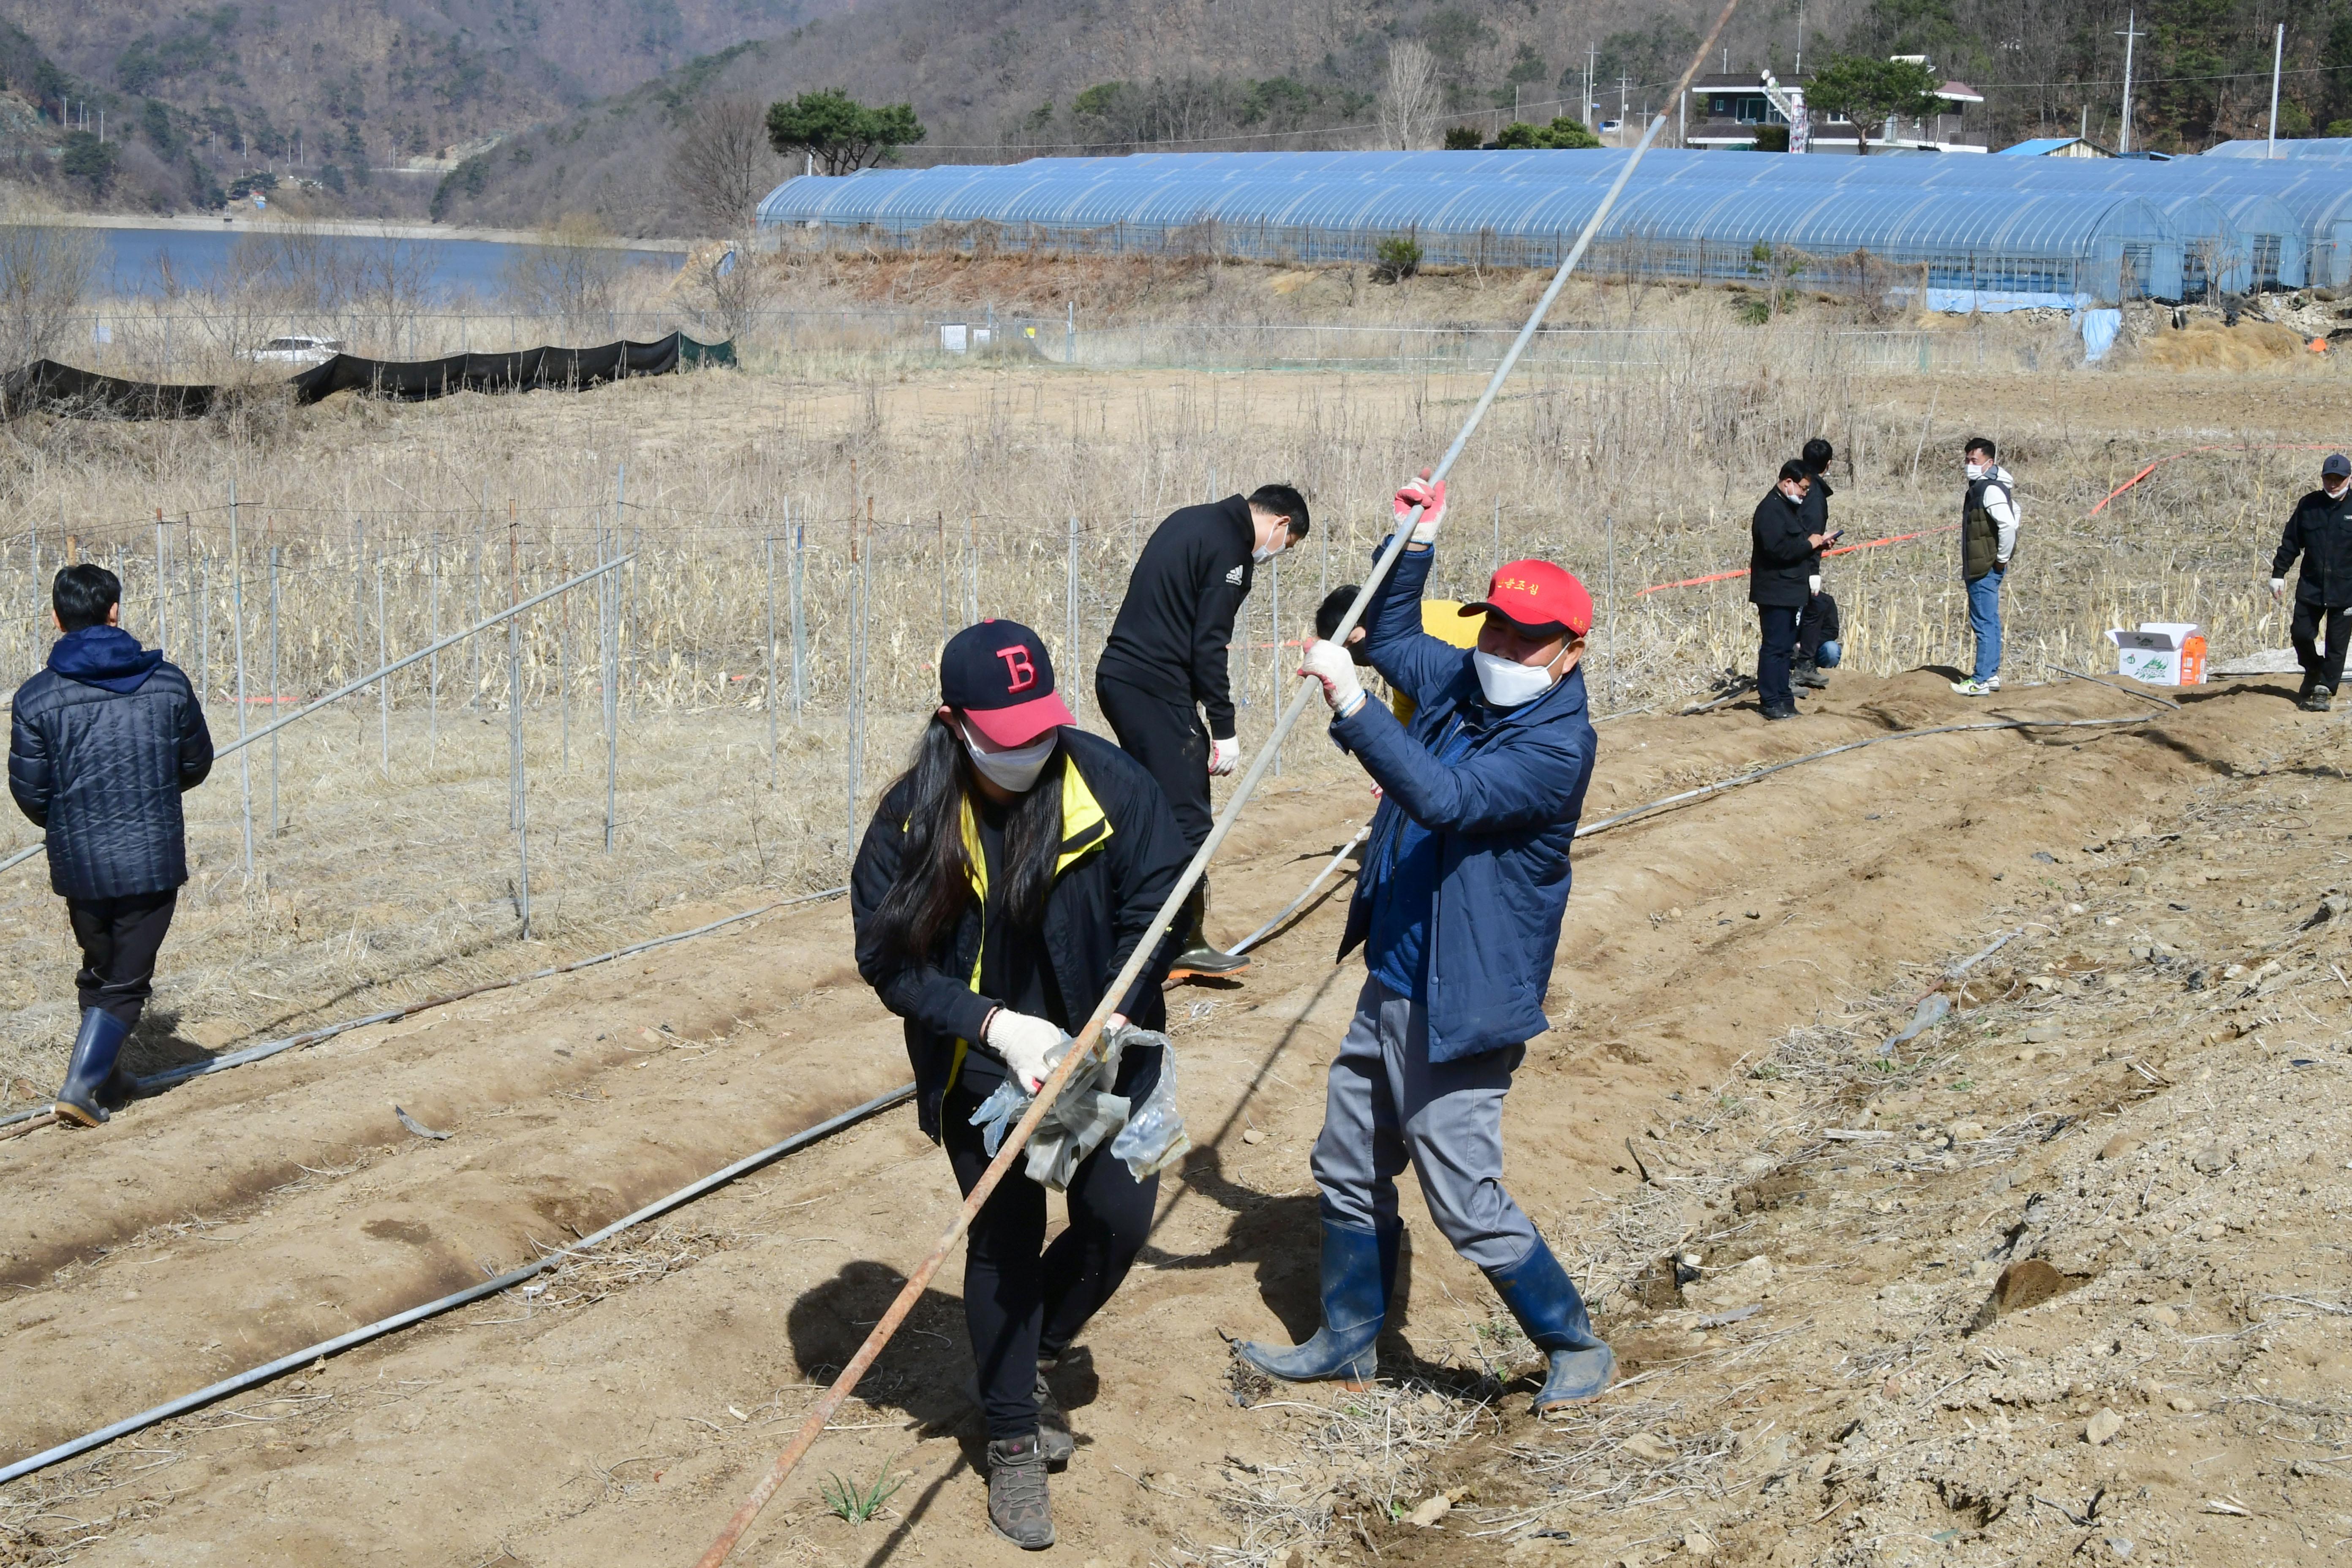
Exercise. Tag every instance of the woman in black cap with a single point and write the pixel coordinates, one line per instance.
(1005, 878)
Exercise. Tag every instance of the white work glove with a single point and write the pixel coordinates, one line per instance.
(2278, 589)
(1814, 583)
(1027, 1044)
(1224, 755)
(1431, 498)
(1328, 662)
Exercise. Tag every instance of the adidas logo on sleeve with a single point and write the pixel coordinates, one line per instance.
(1234, 577)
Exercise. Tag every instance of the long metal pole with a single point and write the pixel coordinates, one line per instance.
(522, 786)
(771, 661)
(383, 688)
(432, 665)
(813, 1426)
(800, 622)
(2278, 56)
(610, 601)
(275, 819)
(237, 603)
(163, 599)
(1074, 680)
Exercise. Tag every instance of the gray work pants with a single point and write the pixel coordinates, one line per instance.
(1388, 1103)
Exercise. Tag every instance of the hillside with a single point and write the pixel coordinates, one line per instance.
(194, 97)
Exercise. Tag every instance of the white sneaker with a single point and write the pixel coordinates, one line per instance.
(1977, 688)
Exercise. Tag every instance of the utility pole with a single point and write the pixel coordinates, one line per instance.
(2130, 35)
(2278, 53)
(1591, 64)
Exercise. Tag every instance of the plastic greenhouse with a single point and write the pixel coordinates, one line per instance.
(1972, 233)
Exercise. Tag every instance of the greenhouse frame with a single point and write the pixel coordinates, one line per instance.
(1969, 233)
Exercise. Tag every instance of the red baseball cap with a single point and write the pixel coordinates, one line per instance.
(997, 675)
(1538, 597)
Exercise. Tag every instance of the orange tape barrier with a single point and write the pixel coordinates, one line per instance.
(2193, 451)
(1840, 550)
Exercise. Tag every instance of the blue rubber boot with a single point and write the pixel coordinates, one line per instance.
(1543, 1298)
(1359, 1276)
(95, 1048)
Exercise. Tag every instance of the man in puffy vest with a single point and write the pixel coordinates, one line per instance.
(2319, 533)
(103, 745)
(1988, 544)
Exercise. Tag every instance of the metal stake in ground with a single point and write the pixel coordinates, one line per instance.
(771, 544)
(237, 603)
(274, 819)
(1090, 1035)
(609, 602)
(383, 688)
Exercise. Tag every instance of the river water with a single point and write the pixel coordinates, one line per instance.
(138, 260)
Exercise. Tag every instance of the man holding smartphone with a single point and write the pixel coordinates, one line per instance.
(1783, 553)
(1817, 457)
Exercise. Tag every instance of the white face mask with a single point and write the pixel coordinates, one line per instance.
(1975, 471)
(1266, 552)
(1507, 682)
(1013, 767)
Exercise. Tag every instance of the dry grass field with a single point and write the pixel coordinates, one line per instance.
(891, 496)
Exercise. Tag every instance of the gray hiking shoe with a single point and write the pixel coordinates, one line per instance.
(2319, 699)
(1018, 1507)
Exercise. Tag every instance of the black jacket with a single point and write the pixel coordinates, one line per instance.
(1182, 598)
(1817, 515)
(101, 746)
(2320, 531)
(1121, 853)
(1817, 624)
(1778, 558)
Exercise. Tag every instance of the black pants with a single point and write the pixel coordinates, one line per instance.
(1023, 1299)
(2321, 668)
(120, 939)
(1164, 732)
(1778, 624)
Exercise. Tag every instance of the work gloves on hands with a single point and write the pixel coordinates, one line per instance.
(1328, 662)
(1224, 755)
(2278, 589)
(1025, 1042)
(1431, 498)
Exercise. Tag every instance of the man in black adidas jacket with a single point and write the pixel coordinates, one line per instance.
(2319, 534)
(101, 745)
(1165, 663)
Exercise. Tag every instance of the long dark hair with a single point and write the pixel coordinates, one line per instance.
(934, 881)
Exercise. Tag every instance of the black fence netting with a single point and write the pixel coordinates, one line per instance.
(46, 387)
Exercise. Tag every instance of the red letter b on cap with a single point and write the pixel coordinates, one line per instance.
(1024, 674)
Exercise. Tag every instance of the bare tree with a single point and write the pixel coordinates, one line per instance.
(1409, 99)
(723, 164)
(45, 273)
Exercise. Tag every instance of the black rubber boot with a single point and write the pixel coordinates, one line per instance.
(1544, 1299)
(80, 1103)
(1805, 672)
(2320, 698)
(1196, 959)
(1359, 1277)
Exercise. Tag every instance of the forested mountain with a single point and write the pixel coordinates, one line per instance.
(588, 97)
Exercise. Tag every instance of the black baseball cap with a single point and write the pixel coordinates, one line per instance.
(997, 675)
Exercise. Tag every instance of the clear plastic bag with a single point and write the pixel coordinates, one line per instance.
(1149, 1137)
(1154, 1137)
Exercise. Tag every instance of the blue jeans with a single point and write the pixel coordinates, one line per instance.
(1984, 620)
(1826, 657)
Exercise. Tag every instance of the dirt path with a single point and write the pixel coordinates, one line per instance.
(617, 1415)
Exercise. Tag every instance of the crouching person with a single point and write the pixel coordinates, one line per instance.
(1004, 880)
(103, 745)
(1458, 909)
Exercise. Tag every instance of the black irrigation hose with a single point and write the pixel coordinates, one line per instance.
(506, 1281)
(268, 1048)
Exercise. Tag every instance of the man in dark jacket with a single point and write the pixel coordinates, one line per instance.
(2319, 533)
(1783, 551)
(1165, 662)
(1464, 883)
(1818, 648)
(103, 743)
(1817, 457)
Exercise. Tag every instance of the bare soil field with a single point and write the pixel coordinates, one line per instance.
(2133, 1101)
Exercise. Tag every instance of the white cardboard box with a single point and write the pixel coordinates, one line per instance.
(2161, 653)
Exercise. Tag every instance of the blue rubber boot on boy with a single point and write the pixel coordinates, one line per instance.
(1543, 1298)
(95, 1048)
(1359, 1274)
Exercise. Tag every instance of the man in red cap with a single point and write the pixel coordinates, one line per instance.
(1464, 880)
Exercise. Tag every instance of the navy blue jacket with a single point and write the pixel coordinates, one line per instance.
(1505, 817)
(100, 746)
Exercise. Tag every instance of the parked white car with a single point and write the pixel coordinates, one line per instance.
(297, 351)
